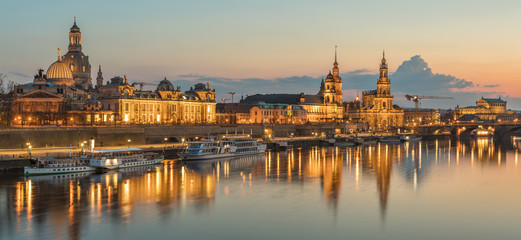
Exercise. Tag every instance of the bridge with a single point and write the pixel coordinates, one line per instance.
(464, 129)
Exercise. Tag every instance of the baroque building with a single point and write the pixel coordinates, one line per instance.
(43, 102)
(76, 60)
(325, 106)
(487, 110)
(377, 108)
(165, 105)
(65, 96)
(241, 113)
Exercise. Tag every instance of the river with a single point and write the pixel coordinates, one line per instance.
(433, 189)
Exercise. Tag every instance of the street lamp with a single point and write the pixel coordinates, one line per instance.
(30, 151)
(128, 140)
(164, 140)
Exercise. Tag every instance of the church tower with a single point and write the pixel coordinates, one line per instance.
(383, 99)
(78, 62)
(99, 79)
(338, 81)
(329, 89)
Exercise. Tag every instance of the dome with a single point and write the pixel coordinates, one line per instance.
(75, 27)
(329, 77)
(60, 73)
(165, 85)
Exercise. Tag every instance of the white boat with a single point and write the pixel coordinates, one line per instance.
(226, 148)
(410, 137)
(49, 165)
(94, 161)
(123, 158)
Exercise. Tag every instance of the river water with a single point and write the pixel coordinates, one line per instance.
(434, 189)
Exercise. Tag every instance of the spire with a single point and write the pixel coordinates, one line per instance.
(384, 62)
(335, 55)
(74, 37)
(99, 79)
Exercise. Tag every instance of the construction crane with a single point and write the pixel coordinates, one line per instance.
(141, 84)
(232, 93)
(416, 99)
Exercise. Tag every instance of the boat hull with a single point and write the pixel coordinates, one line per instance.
(29, 171)
(192, 157)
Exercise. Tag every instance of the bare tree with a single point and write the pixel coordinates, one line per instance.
(2, 78)
(10, 86)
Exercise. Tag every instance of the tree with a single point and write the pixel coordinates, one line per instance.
(2, 81)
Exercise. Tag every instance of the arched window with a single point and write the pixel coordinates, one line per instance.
(384, 105)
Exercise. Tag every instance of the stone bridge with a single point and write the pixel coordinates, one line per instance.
(464, 129)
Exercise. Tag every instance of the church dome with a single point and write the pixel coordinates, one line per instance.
(75, 27)
(165, 85)
(330, 78)
(60, 73)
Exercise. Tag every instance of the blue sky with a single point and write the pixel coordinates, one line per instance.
(477, 41)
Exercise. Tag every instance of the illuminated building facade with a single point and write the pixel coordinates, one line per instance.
(377, 108)
(166, 105)
(42, 102)
(413, 117)
(239, 113)
(487, 110)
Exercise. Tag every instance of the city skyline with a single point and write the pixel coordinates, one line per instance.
(294, 54)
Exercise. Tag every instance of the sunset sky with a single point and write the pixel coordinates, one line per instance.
(228, 42)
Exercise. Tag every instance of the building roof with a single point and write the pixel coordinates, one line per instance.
(494, 100)
(282, 99)
(469, 118)
(49, 84)
(233, 107)
(165, 85)
(59, 70)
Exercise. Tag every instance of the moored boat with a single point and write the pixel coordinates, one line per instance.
(479, 133)
(410, 137)
(94, 161)
(365, 140)
(226, 148)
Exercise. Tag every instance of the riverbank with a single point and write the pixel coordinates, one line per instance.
(61, 137)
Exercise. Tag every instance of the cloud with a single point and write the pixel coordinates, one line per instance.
(20, 74)
(416, 76)
(191, 75)
(413, 76)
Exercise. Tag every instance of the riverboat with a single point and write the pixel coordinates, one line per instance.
(410, 137)
(225, 148)
(94, 161)
(481, 133)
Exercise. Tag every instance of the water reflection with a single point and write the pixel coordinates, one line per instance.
(63, 206)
